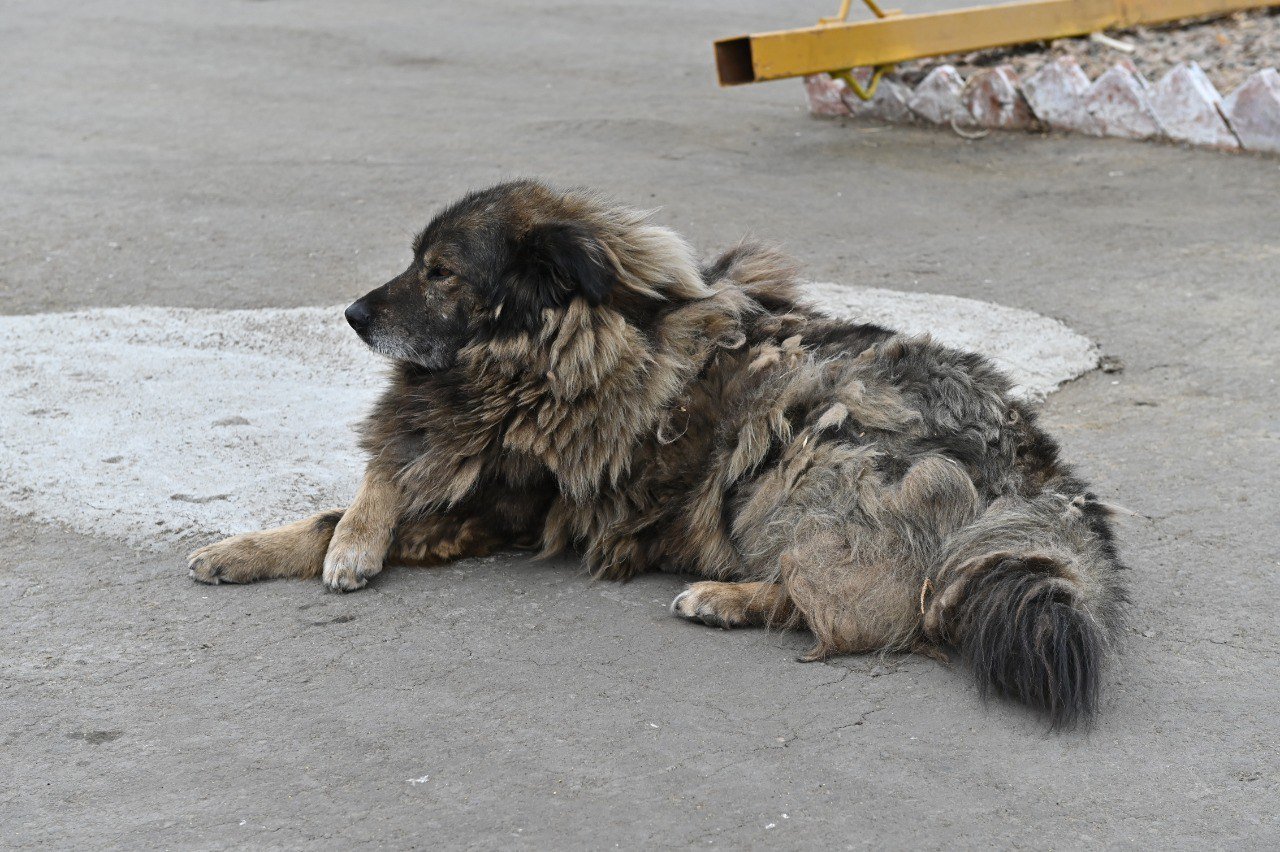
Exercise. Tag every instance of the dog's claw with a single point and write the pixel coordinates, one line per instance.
(346, 571)
(203, 570)
(690, 607)
(346, 584)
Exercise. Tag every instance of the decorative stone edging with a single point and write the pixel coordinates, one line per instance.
(1183, 106)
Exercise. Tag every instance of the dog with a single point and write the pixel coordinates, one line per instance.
(567, 377)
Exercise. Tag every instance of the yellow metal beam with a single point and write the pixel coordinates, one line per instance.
(899, 38)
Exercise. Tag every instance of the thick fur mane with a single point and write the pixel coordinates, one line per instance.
(576, 398)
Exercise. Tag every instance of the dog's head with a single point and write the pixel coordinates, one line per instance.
(506, 261)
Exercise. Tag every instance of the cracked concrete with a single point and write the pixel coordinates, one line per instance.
(234, 155)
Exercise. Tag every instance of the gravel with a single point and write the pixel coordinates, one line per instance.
(1229, 49)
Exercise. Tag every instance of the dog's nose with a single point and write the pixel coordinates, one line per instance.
(358, 316)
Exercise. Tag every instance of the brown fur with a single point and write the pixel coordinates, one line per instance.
(567, 377)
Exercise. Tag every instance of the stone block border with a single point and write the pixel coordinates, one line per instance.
(1182, 107)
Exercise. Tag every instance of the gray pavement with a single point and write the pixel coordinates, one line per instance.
(247, 154)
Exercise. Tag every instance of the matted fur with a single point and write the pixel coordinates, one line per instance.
(567, 377)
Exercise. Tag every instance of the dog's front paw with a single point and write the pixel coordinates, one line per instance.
(349, 567)
(232, 560)
(203, 569)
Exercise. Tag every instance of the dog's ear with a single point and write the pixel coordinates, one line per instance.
(559, 261)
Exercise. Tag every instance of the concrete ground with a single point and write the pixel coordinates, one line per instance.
(245, 154)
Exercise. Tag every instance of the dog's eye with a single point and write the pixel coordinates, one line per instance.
(438, 273)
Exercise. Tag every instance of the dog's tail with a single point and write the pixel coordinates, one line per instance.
(1035, 623)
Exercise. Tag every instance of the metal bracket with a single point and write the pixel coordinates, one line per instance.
(869, 91)
(843, 14)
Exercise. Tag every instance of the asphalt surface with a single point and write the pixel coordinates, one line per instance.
(248, 154)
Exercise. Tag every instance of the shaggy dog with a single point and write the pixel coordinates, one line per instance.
(566, 376)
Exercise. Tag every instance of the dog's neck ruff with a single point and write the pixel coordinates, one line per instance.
(576, 399)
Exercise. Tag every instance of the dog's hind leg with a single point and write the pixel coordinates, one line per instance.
(852, 550)
(736, 605)
(851, 605)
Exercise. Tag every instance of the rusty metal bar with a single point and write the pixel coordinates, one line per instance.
(900, 38)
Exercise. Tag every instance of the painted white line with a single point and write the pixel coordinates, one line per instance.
(165, 425)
